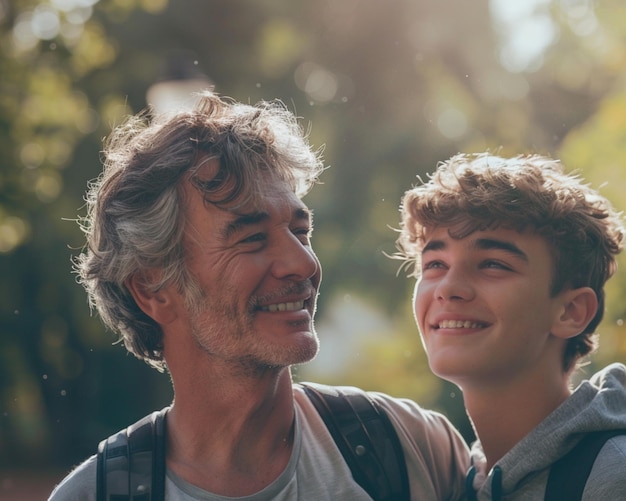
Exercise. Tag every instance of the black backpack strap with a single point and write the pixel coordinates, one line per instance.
(131, 463)
(366, 438)
(569, 474)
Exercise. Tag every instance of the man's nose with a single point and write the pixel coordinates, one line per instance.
(295, 260)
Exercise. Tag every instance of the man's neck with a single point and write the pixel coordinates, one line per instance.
(232, 437)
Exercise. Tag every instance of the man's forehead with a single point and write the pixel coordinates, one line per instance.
(239, 194)
(267, 197)
(264, 203)
(205, 169)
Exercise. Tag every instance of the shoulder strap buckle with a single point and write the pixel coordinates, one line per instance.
(131, 463)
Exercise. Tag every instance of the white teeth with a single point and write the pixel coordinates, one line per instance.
(458, 324)
(296, 305)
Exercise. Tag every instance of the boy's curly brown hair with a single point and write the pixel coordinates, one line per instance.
(476, 192)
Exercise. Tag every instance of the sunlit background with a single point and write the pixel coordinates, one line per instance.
(391, 87)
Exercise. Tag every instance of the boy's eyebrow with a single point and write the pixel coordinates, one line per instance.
(245, 220)
(434, 245)
(482, 244)
(492, 243)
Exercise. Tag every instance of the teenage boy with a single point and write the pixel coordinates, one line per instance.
(511, 257)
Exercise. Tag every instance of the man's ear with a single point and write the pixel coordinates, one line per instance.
(579, 306)
(157, 305)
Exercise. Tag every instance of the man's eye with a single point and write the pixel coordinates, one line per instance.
(257, 237)
(303, 234)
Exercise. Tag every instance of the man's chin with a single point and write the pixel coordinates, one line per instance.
(306, 349)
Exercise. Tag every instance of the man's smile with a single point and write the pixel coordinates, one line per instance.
(291, 306)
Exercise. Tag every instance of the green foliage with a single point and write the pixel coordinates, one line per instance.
(390, 88)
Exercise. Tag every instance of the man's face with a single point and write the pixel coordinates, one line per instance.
(259, 279)
(483, 306)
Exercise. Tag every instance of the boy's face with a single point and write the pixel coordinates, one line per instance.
(483, 306)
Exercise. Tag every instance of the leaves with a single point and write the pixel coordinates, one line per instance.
(391, 88)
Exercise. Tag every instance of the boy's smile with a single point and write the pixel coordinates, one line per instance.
(483, 305)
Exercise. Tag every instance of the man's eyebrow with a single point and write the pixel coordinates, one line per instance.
(243, 221)
(303, 214)
(492, 243)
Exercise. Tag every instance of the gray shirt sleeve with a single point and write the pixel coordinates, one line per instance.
(79, 485)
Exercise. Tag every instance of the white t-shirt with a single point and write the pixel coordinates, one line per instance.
(437, 460)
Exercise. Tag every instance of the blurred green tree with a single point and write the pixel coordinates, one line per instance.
(390, 88)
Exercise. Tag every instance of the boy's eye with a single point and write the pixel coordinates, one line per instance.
(495, 265)
(430, 265)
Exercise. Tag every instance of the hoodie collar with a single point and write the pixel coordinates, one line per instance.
(597, 404)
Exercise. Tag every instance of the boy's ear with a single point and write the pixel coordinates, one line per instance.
(157, 305)
(578, 309)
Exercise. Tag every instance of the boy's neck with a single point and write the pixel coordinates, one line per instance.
(504, 414)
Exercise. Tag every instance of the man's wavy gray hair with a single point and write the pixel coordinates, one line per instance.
(135, 212)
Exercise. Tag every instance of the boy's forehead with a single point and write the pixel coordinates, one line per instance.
(456, 233)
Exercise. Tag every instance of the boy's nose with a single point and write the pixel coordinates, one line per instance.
(454, 285)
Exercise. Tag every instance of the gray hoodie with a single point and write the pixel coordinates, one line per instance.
(597, 404)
